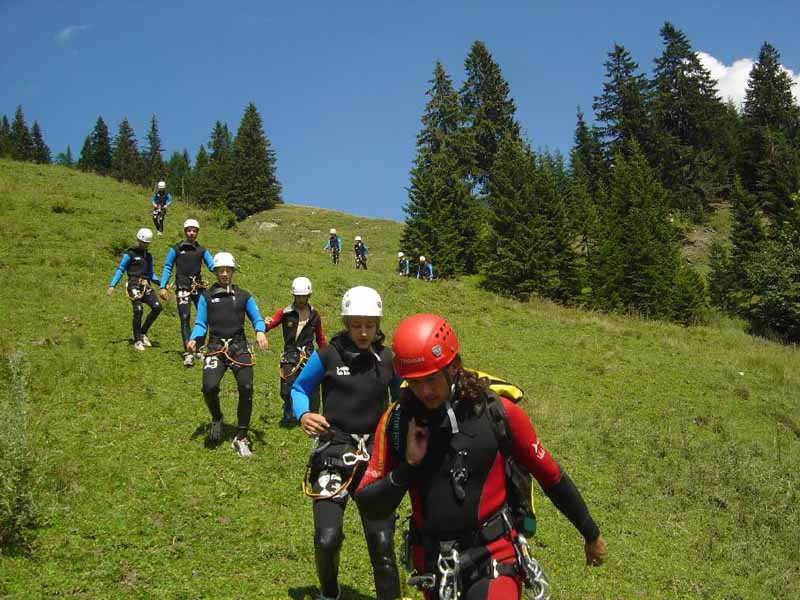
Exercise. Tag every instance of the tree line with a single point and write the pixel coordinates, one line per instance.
(600, 228)
(236, 175)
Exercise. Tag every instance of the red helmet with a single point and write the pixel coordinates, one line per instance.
(423, 344)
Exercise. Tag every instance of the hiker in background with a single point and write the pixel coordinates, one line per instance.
(334, 246)
(220, 312)
(424, 269)
(137, 262)
(302, 326)
(440, 444)
(187, 258)
(357, 378)
(403, 265)
(161, 201)
(360, 253)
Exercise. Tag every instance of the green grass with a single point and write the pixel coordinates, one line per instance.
(681, 440)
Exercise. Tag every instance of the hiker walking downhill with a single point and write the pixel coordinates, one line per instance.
(161, 201)
(302, 326)
(220, 312)
(424, 269)
(137, 262)
(334, 246)
(403, 265)
(441, 443)
(360, 253)
(357, 377)
(187, 258)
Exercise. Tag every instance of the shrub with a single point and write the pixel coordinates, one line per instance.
(224, 217)
(18, 472)
(62, 207)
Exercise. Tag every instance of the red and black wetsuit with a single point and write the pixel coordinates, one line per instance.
(438, 515)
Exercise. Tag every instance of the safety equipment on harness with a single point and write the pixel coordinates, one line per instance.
(301, 286)
(184, 295)
(224, 350)
(326, 464)
(423, 344)
(224, 259)
(190, 223)
(139, 290)
(362, 301)
(144, 235)
(536, 585)
(449, 567)
(292, 361)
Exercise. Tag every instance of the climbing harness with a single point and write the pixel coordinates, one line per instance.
(140, 290)
(286, 359)
(536, 585)
(449, 568)
(224, 351)
(327, 468)
(184, 295)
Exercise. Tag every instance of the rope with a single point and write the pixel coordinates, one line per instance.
(224, 352)
(140, 291)
(302, 361)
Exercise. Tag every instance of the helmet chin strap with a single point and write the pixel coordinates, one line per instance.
(451, 414)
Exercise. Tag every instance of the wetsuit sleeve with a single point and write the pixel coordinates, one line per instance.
(200, 319)
(328, 244)
(528, 451)
(430, 270)
(123, 264)
(386, 479)
(366, 250)
(169, 199)
(209, 260)
(320, 334)
(419, 272)
(166, 273)
(305, 384)
(153, 200)
(255, 317)
(275, 320)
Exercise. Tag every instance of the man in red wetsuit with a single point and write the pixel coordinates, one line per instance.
(439, 444)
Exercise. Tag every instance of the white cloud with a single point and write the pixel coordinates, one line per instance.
(732, 80)
(66, 35)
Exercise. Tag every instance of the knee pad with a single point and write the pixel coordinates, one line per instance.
(381, 543)
(246, 389)
(157, 307)
(328, 539)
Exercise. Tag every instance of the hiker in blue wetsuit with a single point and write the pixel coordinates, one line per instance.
(424, 269)
(361, 253)
(137, 262)
(334, 246)
(357, 378)
(187, 258)
(403, 265)
(220, 312)
(161, 201)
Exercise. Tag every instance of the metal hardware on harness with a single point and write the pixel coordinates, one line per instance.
(449, 568)
(140, 291)
(536, 585)
(300, 363)
(348, 459)
(361, 454)
(426, 581)
(224, 352)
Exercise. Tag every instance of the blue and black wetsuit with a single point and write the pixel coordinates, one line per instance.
(161, 201)
(137, 262)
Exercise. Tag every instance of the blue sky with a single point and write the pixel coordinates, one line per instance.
(341, 86)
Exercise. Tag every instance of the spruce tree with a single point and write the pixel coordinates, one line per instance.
(254, 186)
(21, 142)
(126, 163)
(41, 153)
(529, 250)
(178, 172)
(5, 138)
(622, 107)
(442, 116)
(65, 158)
(219, 171)
(87, 155)
(199, 189)
(747, 232)
(153, 161)
(777, 176)
(100, 160)
(488, 111)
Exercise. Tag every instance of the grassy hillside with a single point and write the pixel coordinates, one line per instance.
(683, 441)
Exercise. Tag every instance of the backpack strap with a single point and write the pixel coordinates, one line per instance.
(499, 420)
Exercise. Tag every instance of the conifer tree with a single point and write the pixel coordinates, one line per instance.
(529, 250)
(5, 138)
(747, 232)
(41, 153)
(199, 188)
(86, 157)
(178, 171)
(254, 186)
(219, 171)
(65, 158)
(151, 156)
(126, 162)
(488, 111)
(100, 158)
(777, 175)
(21, 142)
(637, 265)
(220, 143)
(442, 116)
(622, 107)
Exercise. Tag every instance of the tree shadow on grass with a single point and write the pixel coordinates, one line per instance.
(311, 592)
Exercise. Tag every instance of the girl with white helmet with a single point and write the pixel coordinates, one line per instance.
(137, 262)
(357, 378)
(302, 326)
(161, 201)
(187, 258)
(334, 245)
(221, 312)
(403, 265)
(361, 252)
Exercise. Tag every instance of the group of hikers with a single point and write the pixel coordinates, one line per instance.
(406, 419)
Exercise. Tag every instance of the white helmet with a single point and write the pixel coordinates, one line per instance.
(301, 286)
(144, 235)
(358, 238)
(224, 259)
(400, 255)
(361, 301)
(191, 223)
(333, 231)
(422, 259)
(162, 185)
